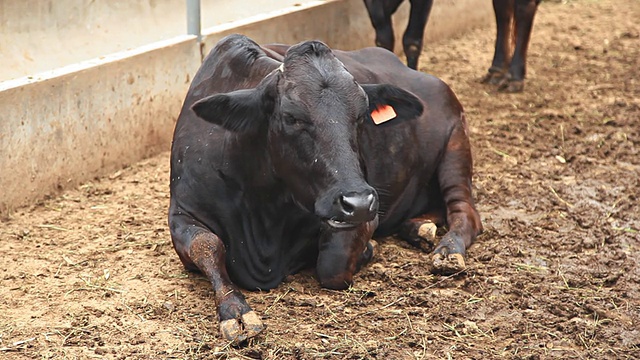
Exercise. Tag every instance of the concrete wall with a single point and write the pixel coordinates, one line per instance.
(57, 33)
(66, 126)
(90, 119)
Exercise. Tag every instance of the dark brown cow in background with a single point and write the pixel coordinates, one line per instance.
(514, 21)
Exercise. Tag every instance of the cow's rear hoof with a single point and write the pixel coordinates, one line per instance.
(448, 264)
(511, 86)
(427, 231)
(419, 233)
(240, 330)
(493, 77)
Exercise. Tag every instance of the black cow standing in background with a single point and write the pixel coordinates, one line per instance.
(380, 12)
(514, 21)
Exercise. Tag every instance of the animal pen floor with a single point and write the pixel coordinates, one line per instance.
(92, 274)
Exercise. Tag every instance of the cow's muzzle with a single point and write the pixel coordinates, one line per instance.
(354, 208)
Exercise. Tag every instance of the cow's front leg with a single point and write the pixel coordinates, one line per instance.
(200, 249)
(238, 321)
(343, 252)
(449, 254)
(463, 220)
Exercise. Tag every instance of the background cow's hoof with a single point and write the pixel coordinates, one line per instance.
(239, 330)
(511, 86)
(493, 77)
(448, 264)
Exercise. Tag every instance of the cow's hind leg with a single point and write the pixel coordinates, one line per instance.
(414, 34)
(421, 231)
(503, 10)
(524, 13)
(380, 14)
(463, 220)
(200, 249)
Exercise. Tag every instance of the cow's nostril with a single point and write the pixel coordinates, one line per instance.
(348, 204)
(358, 207)
(373, 204)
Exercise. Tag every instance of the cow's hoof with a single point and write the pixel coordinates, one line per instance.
(511, 86)
(420, 234)
(239, 330)
(372, 246)
(448, 264)
(493, 77)
(427, 231)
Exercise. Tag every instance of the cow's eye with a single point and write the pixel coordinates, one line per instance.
(290, 120)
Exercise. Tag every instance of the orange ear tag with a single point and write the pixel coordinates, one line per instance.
(382, 114)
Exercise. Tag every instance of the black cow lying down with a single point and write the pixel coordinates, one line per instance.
(277, 164)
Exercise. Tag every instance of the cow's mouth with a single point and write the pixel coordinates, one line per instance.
(337, 224)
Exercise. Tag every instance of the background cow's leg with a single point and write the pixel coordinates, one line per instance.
(200, 249)
(503, 10)
(454, 176)
(342, 253)
(524, 12)
(413, 35)
(380, 12)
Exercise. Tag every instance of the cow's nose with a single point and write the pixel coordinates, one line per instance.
(358, 207)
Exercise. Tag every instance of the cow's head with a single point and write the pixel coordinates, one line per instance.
(312, 111)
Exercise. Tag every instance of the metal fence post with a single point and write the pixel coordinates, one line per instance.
(193, 23)
(193, 18)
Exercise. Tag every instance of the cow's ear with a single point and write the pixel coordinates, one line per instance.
(239, 111)
(403, 103)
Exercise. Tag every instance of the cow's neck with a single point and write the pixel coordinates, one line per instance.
(274, 237)
(249, 161)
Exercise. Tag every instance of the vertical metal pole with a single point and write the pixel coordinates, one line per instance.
(193, 18)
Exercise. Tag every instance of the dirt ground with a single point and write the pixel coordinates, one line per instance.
(92, 273)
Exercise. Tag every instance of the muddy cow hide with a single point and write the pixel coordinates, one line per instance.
(286, 158)
(514, 21)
